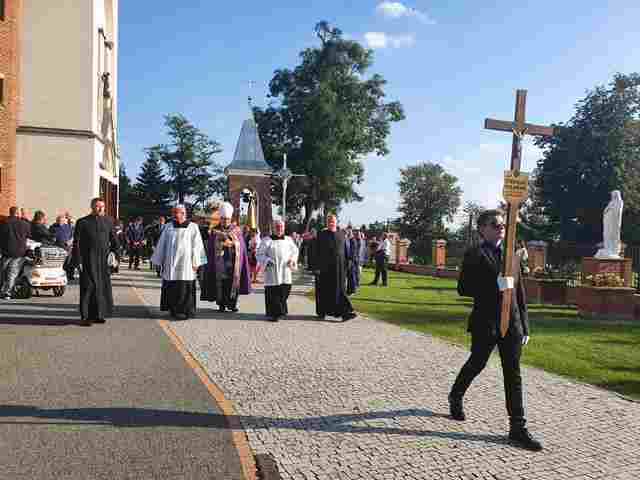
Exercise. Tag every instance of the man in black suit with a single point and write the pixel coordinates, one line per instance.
(480, 278)
(330, 267)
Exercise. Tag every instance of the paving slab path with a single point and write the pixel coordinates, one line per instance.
(112, 401)
(367, 400)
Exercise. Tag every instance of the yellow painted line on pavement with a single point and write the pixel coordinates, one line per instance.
(238, 436)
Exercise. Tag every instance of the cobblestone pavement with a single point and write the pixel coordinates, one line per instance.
(367, 400)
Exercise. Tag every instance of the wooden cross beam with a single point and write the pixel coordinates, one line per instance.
(519, 128)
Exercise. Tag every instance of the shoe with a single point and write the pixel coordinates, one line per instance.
(321, 317)
(349, 316)
(99, 320)
(523, 439)
(455, 408)
(181, 317)
(372, 284)
(221, 309)
(84, 322)
(234, 309)
(274, 319)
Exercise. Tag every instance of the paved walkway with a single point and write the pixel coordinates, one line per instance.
(367, 400)
(113, 401)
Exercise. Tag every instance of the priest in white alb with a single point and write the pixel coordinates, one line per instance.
(278, 256)
(179, 252)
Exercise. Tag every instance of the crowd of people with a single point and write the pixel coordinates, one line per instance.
(15, 232)
(225, 260)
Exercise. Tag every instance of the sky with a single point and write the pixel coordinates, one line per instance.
(450, 63)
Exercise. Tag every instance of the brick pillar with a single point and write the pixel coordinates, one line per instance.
(10, 71)
(402, 251)
(439, 253)
(537, 251)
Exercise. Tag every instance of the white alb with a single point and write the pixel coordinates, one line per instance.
(179, 251)
(274, 257)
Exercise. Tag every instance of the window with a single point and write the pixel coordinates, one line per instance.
(2, 7)
(2, 82)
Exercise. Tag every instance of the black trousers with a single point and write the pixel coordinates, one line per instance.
(381, 268)
(226, 299)
(510, 348)
(275, 300)
(134, 255)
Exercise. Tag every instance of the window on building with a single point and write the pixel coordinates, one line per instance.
(2, 8)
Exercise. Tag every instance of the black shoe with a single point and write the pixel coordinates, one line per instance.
(181, 317)
(221, 309)
(523, 439)
(99, 320)
(455, 408)
(372, 284)
(84, 322)
(234, 309)
(349, 316)
(321, 317)
(275, 319)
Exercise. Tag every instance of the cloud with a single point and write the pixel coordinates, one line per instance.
(385, 40)
(397, 10)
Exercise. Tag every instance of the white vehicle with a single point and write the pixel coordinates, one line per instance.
(42, 270)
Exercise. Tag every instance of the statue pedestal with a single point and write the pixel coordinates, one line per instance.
(620, 266)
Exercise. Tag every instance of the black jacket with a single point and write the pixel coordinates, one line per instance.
(479, 279)
(13, 237)
(40, 233)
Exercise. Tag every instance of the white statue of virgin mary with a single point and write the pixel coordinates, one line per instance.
(612, 222)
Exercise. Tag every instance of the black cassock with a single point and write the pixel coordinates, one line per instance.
(331, 282)
(93, 240)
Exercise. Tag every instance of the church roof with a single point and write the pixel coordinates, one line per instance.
(249, 154)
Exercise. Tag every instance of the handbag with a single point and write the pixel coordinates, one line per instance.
(112, 260)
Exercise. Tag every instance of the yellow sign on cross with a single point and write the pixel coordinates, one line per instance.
(516, 186)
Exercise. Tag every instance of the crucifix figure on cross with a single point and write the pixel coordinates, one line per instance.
(515, 191)
(284, 175)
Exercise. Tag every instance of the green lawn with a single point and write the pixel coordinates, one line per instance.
(601, 353)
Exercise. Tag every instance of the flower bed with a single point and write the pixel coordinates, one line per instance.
(607, 302)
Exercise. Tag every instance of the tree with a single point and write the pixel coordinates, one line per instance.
(428, 197)
(129, 203)
(468, 232)
(188, 158)
(596, 152)
(326, 115)
(152, 187)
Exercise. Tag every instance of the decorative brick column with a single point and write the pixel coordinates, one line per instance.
(537, 251)
(10, 75)
(439, 253)
(402, 251)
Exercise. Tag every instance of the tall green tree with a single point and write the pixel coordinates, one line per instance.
(152, 186)
(188, 157)
(429, 196)
(596, 152)
(326, 114)
(129, 202)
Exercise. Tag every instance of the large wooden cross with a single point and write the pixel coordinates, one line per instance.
(519, 129)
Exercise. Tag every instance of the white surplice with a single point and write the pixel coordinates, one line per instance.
(274, 256)
(179, 250)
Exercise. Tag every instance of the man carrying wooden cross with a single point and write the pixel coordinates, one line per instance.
(491, 274)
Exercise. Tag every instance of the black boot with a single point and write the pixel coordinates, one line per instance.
(521, 437)
(455, 408)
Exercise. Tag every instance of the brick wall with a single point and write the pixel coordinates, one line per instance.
(9, 64)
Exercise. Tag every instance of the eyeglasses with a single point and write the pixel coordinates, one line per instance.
(498, 226)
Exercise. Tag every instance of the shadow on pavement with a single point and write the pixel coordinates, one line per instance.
(140, 417)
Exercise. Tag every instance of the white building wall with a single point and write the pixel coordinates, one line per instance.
(57, 64)
(61, 89)
(53, 174)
